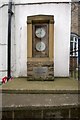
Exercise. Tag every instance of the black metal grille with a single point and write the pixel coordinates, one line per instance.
(79, 58)
(74, 56)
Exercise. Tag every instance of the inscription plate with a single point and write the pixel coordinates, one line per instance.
(40, 71)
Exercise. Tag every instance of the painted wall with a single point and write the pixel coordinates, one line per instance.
(62, 17)
(34, 1)
(3, 42)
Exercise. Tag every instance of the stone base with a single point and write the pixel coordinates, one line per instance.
(47, 114)
(40, 70)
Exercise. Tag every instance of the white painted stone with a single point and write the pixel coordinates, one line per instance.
(62, 17)
(35, 1)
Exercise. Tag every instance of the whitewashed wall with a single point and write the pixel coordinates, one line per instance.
(62, 17)
(3, 42)
(34, 1)
(0, 44)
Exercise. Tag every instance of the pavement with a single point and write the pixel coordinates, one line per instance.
(39, 101)
(20, 93)
(59, 85)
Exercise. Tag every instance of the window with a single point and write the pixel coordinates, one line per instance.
(74, 46)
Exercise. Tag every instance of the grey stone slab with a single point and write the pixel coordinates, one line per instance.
(39, 101)
(59, 85)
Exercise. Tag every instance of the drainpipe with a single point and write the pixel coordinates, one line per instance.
(79, 58)
(9, 41)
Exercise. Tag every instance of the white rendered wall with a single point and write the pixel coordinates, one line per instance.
(3, 42)
(0, 44)
(62, 17)
(34, 1)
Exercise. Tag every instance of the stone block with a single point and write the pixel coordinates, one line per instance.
(20, 114)
(56, 114)
(46, 72)
(6, 114)
(75, 113)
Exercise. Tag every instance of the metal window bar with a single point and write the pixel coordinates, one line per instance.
(79, 58)
(74, 57)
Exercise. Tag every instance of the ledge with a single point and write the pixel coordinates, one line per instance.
(39, 101)
(59, 85)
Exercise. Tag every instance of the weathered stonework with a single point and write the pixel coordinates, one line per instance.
(40, 67)
(75, 18)
(79, 18)
(47, 114)
(47, 70)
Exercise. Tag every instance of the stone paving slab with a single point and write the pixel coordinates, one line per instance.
(39, 101)
(43, 96)
(59, 85)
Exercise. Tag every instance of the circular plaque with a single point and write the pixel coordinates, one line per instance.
(40, 46)
(40, 32)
